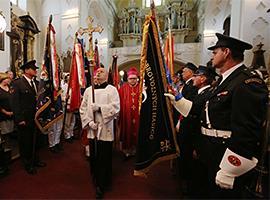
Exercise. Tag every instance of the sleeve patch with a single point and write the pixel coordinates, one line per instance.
(253, 80)
(234, 160)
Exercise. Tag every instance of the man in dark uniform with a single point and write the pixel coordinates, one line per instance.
(185, 131)
(232, 121)
(202, 80)
(24, 105)
(189, 91)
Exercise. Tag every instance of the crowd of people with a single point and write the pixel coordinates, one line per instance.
(17, 124)
(219, 120)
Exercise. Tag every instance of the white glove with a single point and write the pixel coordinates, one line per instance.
(93, 125)
(95, 107)
(171, 97)
(181, 104)
(224, 180)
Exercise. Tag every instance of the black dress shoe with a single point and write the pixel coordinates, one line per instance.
(126, 157)
(59, 147)
(40, 164)
(31, 170)
(3, 171)
(53, 149)
(99, 193)
(69, 140)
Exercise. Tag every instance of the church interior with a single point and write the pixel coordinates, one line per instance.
(116, 28)
(194, 24)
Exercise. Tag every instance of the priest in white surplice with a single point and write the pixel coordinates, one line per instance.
(98, 118)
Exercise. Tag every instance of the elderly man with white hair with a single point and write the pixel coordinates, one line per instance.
(97, 117)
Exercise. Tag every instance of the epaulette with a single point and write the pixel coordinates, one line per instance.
(253, 77)
(251, 73)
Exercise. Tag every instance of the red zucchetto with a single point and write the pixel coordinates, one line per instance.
(132, 71)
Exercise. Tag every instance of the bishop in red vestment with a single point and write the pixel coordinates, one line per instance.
(129, 113)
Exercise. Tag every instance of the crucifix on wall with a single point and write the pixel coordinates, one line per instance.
(90, 30)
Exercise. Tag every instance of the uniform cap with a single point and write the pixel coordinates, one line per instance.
(31, 64)
(209, 72)
(133, 71)
(230, 42)
(191, 66)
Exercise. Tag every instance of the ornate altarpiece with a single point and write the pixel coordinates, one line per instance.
(23, 30)
(182, 14)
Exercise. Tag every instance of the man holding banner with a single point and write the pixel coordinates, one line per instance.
(97, 118)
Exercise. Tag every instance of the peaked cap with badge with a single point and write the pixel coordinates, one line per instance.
(30, 64)
(231, 43)
(191, 66)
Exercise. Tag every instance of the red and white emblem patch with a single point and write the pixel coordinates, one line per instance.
(234, 160)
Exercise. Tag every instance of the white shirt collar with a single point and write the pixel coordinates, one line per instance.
(188, 80)
(229, 71)
(203, 88)
(28, 79)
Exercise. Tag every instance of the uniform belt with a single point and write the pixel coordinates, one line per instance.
(216, 133)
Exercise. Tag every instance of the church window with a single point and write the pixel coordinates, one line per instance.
(20, 3)
(14, 2)
(146, 3)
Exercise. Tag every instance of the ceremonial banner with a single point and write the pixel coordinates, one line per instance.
(77, 78)
(49, 104)
(169, 53)
(113, 78)
(96, 58)
(157, 139)
(80, 63)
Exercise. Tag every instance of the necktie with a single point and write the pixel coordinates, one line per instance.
(33, 86)
(219, 81)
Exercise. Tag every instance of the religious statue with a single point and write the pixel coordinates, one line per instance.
(183, 21)
(67, 61)
(139, 22)
(174, 18)
(136, 28)
(178, 21)
(258, 58)
(131, 24)
(188, 20)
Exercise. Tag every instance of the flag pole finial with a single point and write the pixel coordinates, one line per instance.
(50, 19)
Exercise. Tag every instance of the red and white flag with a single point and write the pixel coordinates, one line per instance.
(77, 78)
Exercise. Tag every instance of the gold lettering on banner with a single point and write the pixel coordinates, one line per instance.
(153, 89)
